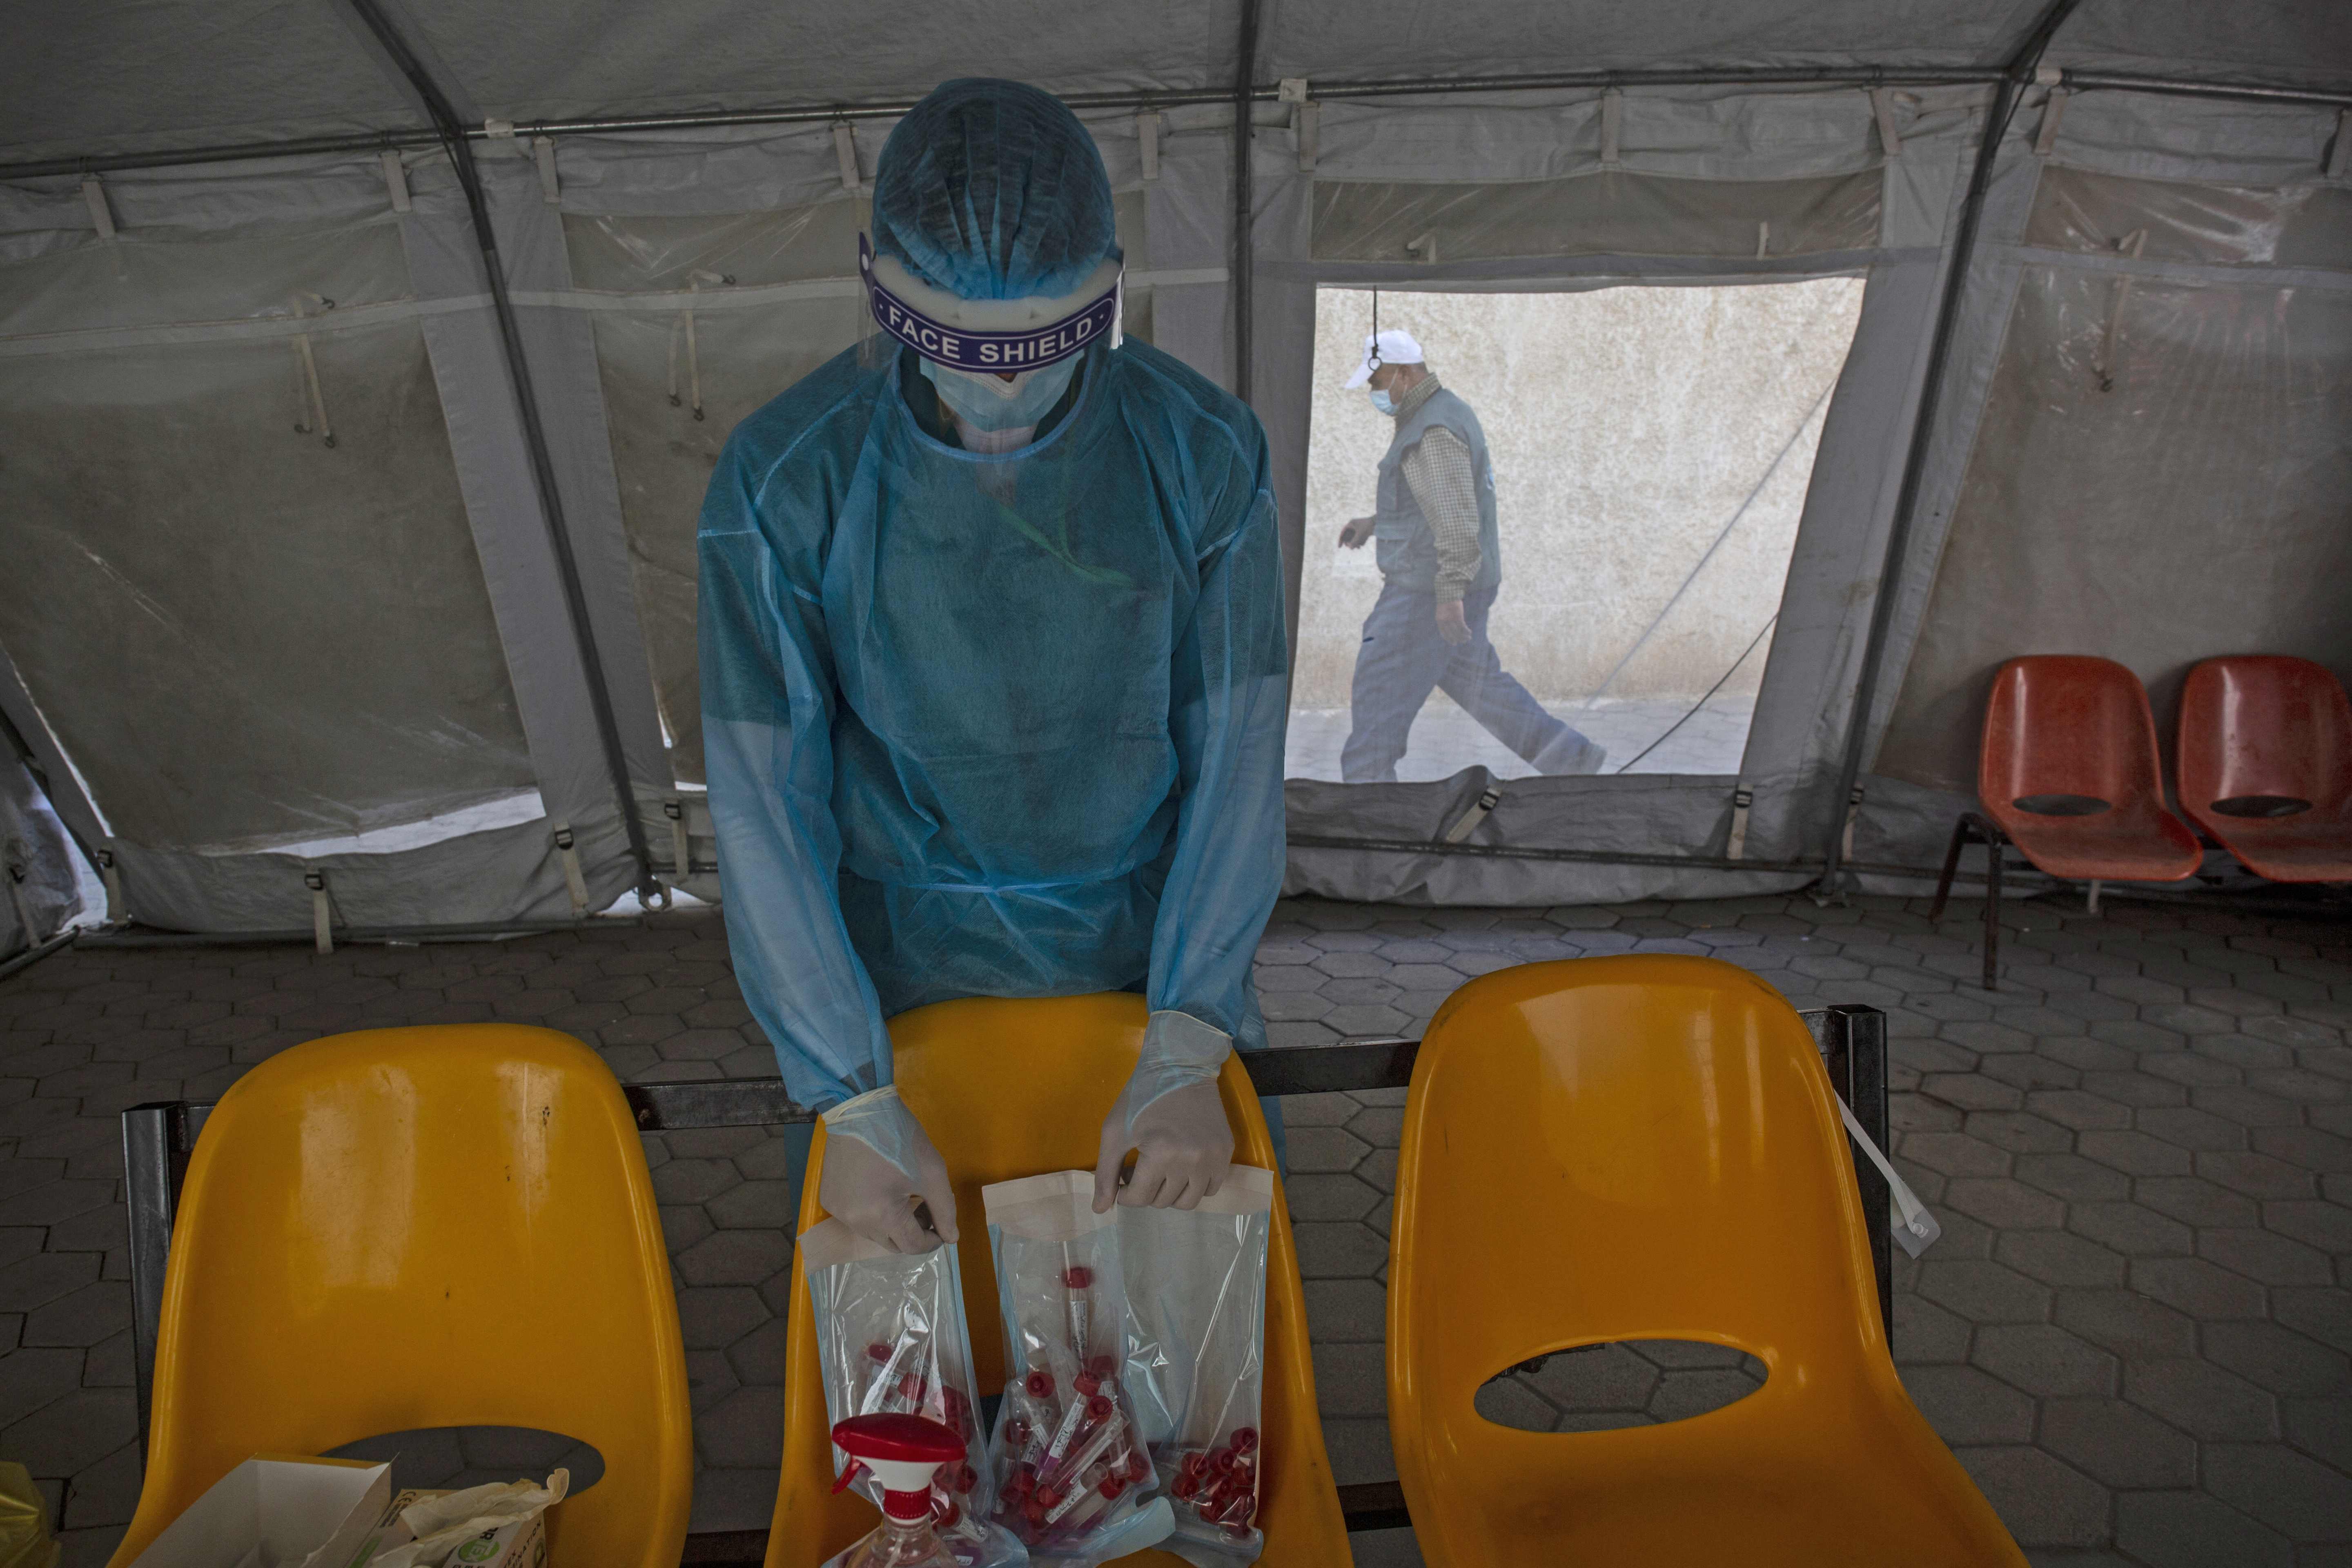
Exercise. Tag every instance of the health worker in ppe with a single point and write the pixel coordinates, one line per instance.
(993, 662)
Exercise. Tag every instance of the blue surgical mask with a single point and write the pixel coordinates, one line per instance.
(1381, 399)
(990, 403)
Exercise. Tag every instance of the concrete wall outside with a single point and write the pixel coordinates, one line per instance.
(1626, 426)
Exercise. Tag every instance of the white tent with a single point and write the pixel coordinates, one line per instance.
(361, 363)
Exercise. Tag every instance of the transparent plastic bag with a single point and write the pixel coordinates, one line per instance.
(1074, 1480)
(1196, 1359)
(892, 1339)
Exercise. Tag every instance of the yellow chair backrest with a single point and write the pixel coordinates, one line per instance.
(1647, 1148)
(1011, 1089)
(405, 1228)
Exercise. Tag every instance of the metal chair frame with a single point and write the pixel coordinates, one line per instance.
(1990, 835)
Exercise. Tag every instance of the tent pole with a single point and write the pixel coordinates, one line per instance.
(2235, 92)
(1245, 134)
(2014, 75)
(542, 464)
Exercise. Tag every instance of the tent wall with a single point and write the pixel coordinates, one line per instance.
(129, 77)
(2150, 461)
(255, 659)
(1692, 175)
(263, 654)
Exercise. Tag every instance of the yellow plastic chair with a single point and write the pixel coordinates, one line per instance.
(1011, 1089)
(420, 1228)
(1647, 1148)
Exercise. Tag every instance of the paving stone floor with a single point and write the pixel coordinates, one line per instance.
(2134, 1332)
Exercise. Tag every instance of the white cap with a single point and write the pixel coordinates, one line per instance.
(905, 1478)
(1391, 347)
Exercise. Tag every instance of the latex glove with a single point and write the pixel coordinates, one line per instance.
(1170, 1113)
(878, 1161)
(1452, 625)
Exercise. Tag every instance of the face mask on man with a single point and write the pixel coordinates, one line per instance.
(1381, 399)
(990, 403)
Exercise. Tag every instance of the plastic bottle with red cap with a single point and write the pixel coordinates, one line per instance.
(903, 1452)
(892, 1340)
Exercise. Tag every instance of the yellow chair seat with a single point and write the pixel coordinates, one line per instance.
(405, 1228)
(1647, 1148)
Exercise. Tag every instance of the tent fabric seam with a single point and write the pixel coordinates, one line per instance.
(351, 318)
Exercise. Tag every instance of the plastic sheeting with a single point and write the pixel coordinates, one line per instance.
(2160, 477)
(680, 372)
(39, 893)
(2174, 220)
(151, 278)
(360, 652)
(244, 635)
(1596, 214)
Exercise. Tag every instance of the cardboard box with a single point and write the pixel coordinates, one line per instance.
(278, 1510)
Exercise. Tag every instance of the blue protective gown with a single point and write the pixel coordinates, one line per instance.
(972, 737)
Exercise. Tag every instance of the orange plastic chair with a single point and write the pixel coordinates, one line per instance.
(405, 1228)
(2266, 764)
(1647, 1148)
(1011, 1089)
(2069, 771)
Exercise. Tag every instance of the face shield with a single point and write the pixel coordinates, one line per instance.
(998, 366)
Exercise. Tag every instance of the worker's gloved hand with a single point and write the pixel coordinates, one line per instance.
(1171, 1115)
(878, 1164)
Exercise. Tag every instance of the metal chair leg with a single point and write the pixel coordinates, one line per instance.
(1972, 825)
(1951, 868)
(1994, 841)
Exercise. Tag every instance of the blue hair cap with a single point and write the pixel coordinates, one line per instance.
(992, 190)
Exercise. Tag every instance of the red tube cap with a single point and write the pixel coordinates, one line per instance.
(915, 1440)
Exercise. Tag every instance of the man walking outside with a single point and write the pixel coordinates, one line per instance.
(1440, 570)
